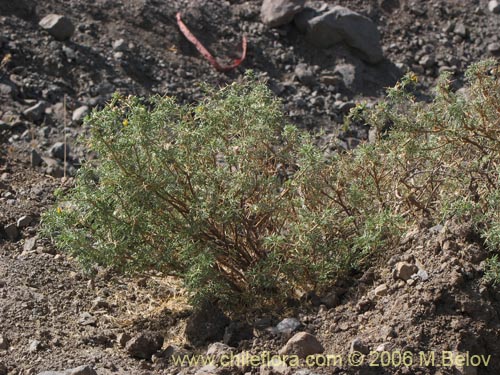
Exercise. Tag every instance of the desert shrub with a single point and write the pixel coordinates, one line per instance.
(245, 209)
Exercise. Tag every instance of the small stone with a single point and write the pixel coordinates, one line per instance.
(57, 150)
(494, 6)
(79, 114)
(11, 231)
(87, 319)
(24, 221)
(35, 346)
(357, 345)
(288, 325)
(4, 343)
(305, 74)
(302, 345)
(36, 112)
(60, 27)
(280, 12)
(144, 345)
(427, 61)
(404, 271)
(123, 338)
(35, 158)
(423, 275)
(460, 29)
(29, 244)
(494, 48)
(381, 290)
(119, 45)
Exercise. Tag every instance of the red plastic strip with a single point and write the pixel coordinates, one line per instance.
(201, 49)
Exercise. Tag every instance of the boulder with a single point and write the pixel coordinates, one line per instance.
(342, 24)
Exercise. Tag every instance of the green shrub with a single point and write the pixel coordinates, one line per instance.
(245, 209)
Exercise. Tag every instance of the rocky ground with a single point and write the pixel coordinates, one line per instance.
(427, 296)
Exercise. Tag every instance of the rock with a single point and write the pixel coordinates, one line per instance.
(422, 275)
(24, 221)
(381, 290)
(57, 150)
(60, 27)
(36, 112)
(11, 231)
(35, 346)
(87, 319)
(3, 369)
(144, 345)
(494, 48)
(460, 29)
(35, 159)
(494, 6)
(288, 325)
(206, 324)
(29, 244)
(280, 12)
(342, 24)
(4, 343)
(305, 74)
(81, 370)
(123, 338)
(100, 303)
(357, 345)
(348, 74)
(302, 344)
(427, 61)
(404, 271)
(119, 45)
(79, 114)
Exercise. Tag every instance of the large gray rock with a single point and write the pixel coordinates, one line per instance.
(342, 24)
(60, 27)
(280, 12)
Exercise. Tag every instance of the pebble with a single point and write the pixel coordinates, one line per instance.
(381, 290)
(404, 271)
(288, 325)
(35, 159)
(79, 114)
(494, 48)
(57, 150)
(24, 221)
(11, 231)
(494, 6)
(4, 343)
(357, 345)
